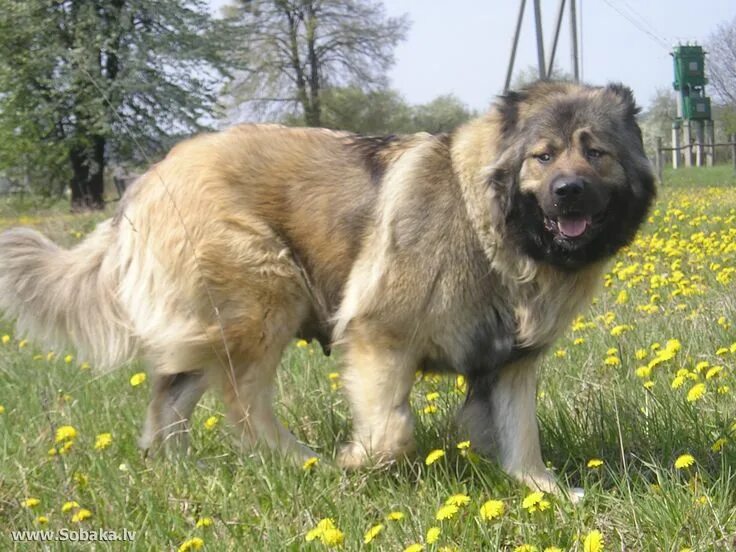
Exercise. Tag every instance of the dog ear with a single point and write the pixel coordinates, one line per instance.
(625, 96)
(508, 109)
(503, 178)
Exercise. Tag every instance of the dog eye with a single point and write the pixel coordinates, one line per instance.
(593, 154)
(543, 157)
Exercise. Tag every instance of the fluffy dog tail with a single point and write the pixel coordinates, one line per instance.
(67, 297)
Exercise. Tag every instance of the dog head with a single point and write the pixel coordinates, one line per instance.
(572, 178)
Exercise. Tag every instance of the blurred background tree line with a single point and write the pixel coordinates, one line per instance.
(94, 90)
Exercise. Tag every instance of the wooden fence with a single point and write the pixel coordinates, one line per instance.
(659, 157)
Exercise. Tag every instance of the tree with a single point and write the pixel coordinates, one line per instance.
(296, 49)
(442, 114)
(384, 111)
(722, 62)
(84, 80)
(657, 121)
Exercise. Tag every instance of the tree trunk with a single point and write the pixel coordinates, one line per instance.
(80, 178)
(88, 169)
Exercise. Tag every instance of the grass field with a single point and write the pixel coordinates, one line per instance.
(636, 405)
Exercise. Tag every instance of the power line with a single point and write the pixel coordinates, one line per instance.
(638, 25)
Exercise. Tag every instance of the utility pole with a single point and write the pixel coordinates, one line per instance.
(545, 69)
(540, 40)
(574, 41)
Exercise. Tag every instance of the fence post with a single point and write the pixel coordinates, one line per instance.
(659, 160)
(676, 144)
(733, 151)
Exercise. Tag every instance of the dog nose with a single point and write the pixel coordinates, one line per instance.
(568, 188)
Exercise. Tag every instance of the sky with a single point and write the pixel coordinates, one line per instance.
(462, 47)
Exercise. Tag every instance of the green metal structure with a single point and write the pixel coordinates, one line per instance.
(693, 106)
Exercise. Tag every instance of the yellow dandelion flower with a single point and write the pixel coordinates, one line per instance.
(684, 461)
(535, 502)
(69, 505)
(553, 549)
(22, 344)
(52, 451)
(446, 512)
(713, 372)
(718, 445)
(459, 499)
(66, 447)
(643, 371)
(309, 463)
(620, 329)
(323, 525)
(433, 535)
(65, 433)
(81, 515)
(332, 376)
(204, 522)
(395, 516)
(463, 445)
(81, 479)
(593, 542)
(433, 396)
(641, 354)
(723, 389)
(696, 392)
(578, 341)
(612, 351)
(702, 365)
(211, 422)
(722, 351)
(102, 441)
(2, 409)
(6, 339)
(429, 409)
(648, 384)
(595, 463)
(68, 359)
(302, 344)
(677, 382)
(612, 361)
(492, 509)
(560, 353)
(42, 520)
(84, 366)
(373, 532)
(137, 379)
(50, 356)
(433, 456)
(30, 502)
(526, 548)
(622, 297)
(195, 543)
(415, 547)
(460, 384)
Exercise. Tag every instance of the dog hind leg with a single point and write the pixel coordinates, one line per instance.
(173, 400)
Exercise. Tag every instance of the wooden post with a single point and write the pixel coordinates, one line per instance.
(659, 161)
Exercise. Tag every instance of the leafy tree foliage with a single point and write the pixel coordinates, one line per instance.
(296, 49)
(84, 81)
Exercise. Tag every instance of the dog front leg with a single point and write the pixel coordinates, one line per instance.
(378, 378)
(500, 415)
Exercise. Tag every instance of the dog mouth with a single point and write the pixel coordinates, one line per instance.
(569, 227)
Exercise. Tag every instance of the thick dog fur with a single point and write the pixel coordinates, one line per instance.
(456, 252)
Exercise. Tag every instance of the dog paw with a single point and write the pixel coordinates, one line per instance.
(352, 456)
(575, 494)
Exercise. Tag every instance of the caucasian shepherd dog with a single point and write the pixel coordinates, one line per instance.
(469, 252)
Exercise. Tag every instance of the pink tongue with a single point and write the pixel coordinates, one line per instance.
(572, 227)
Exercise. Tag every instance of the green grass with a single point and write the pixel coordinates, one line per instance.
(677, 285)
